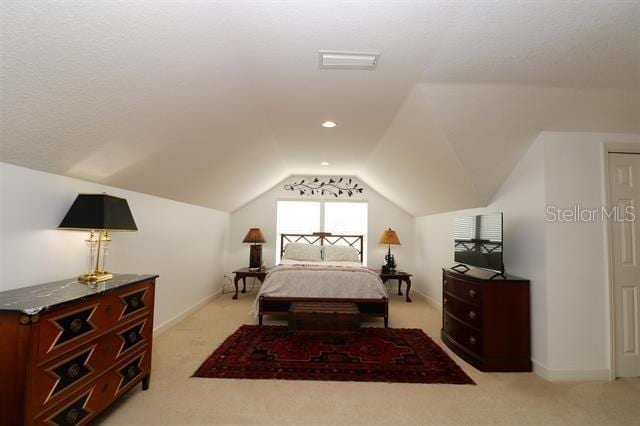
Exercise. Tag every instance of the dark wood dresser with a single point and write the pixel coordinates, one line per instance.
(487, 322)
(69, 350)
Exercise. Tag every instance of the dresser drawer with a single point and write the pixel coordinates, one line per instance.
(466, 312)
(463, 334)
(70, 327)
(81, 406)
(58, 378)
(465, 290)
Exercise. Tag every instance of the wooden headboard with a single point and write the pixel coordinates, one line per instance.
(324, 238)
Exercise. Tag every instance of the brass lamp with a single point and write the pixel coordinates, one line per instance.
(390, 238)
(98, 213)
(255, 238)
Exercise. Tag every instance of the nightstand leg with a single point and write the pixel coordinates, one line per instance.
(408, 281)
(399, 287)
(244, 285)
(235, 283)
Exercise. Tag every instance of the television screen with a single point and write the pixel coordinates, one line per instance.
(478, 241)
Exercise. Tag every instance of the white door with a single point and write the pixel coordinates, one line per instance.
(624, 182)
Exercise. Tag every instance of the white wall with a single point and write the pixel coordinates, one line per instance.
(261, 213)
(521, 199)
(567, 263)
(184, 244)
(577, 256)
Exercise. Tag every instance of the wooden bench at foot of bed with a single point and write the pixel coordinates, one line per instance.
(324, 316)
(281, 305)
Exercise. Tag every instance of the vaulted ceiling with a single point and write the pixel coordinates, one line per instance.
(212, 103)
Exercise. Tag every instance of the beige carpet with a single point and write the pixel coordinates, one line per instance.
(509, 399)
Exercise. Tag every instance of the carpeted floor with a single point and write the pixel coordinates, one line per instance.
(176, 398)
(398, 355)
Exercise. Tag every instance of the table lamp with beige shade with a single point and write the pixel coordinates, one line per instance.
(389, 237)
(256, 239)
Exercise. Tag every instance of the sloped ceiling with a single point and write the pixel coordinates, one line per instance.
(213, 103)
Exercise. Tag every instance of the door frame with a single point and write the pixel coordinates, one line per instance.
(612, 148)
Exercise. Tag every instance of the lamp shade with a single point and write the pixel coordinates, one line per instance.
(254, 236)
(99, 211)
(389, 236)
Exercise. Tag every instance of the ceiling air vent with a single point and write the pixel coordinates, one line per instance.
(348, 60)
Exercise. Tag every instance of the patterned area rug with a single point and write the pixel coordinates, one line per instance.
(375, 355)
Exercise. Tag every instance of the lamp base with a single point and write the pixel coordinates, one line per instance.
(95, 277)
(255, 256)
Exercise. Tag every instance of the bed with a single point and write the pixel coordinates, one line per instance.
(318, 280)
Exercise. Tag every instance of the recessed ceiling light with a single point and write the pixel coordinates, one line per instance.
(329, 124)
(324, 163)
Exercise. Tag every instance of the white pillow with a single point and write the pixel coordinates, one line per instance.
(301, 251)
(340, 254)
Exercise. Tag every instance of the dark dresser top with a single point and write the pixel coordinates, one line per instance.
(39, 298)
(483, 274)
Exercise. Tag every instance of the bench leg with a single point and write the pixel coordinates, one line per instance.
(260, 319)
(386, 322)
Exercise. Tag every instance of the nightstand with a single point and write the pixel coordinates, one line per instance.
(400, 276)
(243, 274)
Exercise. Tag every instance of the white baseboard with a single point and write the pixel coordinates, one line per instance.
(428, 299)
(161, 328)
(557, 375)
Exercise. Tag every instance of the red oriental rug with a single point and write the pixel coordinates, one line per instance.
(375, 355)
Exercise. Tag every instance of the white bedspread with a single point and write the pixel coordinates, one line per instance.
(323, 279)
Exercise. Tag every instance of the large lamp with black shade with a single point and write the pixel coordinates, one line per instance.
(99, 214)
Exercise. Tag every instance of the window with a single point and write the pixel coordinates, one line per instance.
(296, 217)
(491, 227)
(307, 217)
(465, 228)
(347, 219)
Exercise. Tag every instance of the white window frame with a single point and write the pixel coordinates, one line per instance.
(322, 216)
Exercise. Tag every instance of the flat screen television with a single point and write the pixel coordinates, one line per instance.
(478, 241)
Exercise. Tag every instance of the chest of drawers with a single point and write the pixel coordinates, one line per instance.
(69, 350)
(487, 322)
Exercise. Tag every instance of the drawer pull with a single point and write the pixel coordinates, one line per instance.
(132, 336)
(109, 309)
(472, 293)
(105, 387)
(445, 301)
(472, 315)
(472, 340)
(133, 302)
(73, 371)
(72, 416)
(75, 325)
(131, 371)
(105, 349)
